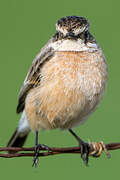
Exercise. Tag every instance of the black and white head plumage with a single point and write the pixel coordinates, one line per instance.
(72, 25)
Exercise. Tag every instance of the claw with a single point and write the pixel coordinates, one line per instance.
(84, 147)
(37, 151)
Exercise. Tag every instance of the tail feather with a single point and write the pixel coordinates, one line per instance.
(17, 140)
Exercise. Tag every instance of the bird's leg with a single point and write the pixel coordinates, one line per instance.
(84, 147)
(38, 147)
(35, 159)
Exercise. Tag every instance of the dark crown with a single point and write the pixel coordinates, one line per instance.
(72, 22)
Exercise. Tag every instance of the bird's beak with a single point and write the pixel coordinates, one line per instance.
(70, 35)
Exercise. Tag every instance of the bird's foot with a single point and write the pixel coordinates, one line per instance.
(37, 151)
(85, 149)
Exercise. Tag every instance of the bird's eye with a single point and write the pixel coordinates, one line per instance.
(56, 36)
(86, 36)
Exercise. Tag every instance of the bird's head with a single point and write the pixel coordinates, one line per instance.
(72, 26)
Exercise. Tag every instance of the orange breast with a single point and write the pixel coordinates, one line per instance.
(72, 85)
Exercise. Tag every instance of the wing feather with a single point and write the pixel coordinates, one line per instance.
(33, 77)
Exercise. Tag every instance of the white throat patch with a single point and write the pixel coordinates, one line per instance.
(73, 45)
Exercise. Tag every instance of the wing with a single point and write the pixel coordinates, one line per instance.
(33, 77)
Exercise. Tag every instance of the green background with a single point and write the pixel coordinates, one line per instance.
(25, 26)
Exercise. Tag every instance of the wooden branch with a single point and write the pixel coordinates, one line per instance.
(28, 152)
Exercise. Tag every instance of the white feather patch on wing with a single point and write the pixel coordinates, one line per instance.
(23, 126)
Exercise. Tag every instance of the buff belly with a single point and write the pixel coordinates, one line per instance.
(71, 87)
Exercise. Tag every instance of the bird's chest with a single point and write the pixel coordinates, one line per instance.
(71, 86)
(75, 72)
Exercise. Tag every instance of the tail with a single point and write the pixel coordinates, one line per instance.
(20, 135)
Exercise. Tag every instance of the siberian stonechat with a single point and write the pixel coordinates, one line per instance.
(64, 85)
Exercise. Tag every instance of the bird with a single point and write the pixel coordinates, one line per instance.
(63, 86)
